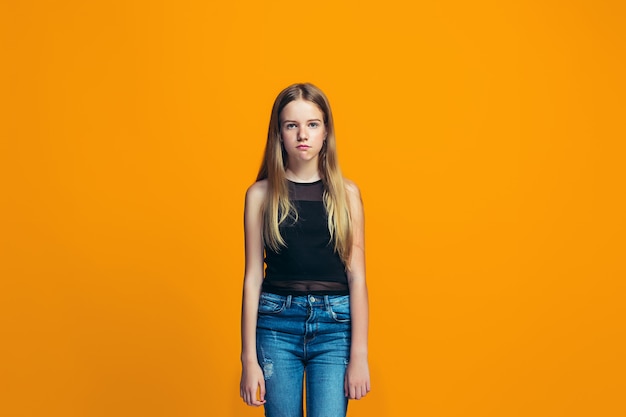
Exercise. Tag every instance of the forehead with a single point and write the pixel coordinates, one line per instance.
(301, 110)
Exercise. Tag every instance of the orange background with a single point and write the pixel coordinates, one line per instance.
(488, 141)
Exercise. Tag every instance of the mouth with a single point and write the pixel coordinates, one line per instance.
(303, 147)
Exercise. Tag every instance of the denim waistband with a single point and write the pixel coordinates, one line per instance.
(313, 300)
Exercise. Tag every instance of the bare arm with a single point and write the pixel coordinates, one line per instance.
(251, 374)
(357, 383)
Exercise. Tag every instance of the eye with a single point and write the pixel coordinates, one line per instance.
(314, 124)
(290, 126)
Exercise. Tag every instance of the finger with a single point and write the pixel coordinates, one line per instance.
(257, 403)
(346, 391)
(262, 390)
(252, 401)
(251, 397)
(360, 391)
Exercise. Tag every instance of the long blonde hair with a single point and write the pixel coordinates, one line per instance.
(277, 207)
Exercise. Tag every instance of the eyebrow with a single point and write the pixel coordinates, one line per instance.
(293, 121)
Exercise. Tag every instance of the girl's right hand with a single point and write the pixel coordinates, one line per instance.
(252, 381)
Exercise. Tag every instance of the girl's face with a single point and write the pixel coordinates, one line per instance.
(302, 131)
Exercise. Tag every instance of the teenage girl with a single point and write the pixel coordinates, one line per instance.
(305, 314)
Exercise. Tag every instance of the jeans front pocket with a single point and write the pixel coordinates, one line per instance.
(269, 304)
(340, 312)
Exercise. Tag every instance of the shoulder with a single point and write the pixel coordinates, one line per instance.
(353, 195)
(355, 203)
(255, 196)
(352, 190)
(257, 192)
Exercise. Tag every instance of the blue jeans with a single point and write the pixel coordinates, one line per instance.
(298, 334)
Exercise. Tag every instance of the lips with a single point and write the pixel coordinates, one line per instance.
(303, 147)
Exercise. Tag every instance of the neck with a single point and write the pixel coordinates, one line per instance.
(299, 173)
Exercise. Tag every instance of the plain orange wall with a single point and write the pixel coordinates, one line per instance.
(488, 141)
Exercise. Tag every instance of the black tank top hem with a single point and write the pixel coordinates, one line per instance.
(278, 291)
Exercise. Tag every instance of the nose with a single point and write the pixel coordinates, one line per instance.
(302, 134)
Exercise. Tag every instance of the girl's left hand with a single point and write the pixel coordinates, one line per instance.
(357, 381)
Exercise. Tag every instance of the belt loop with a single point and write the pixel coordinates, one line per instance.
(326, 302)
(288, 301)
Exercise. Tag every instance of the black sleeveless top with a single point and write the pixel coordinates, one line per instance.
(308, 264)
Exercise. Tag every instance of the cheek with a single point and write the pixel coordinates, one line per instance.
(285, 134)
